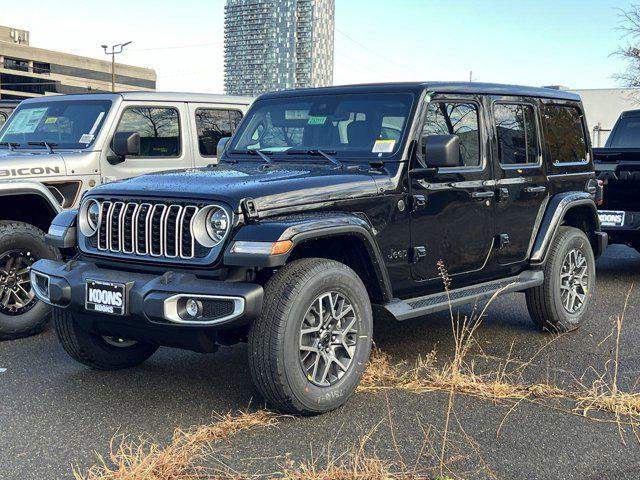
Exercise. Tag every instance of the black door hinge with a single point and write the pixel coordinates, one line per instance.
(502, 241)
(418, 253)
(249, 208)
(417, 202)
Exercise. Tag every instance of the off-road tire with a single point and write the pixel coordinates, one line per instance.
(544, 302)
(273, 338)
(20, 235)
(92, 350)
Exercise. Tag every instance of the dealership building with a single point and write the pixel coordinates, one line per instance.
(277, 44)
(27, 71)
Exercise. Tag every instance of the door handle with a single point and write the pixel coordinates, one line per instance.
(537, 189)
(482, 194)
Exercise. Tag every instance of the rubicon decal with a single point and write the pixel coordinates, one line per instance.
(29, 171)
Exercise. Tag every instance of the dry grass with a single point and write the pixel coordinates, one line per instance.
(505, 382)
(604, 393)
(145, 460)
(440, 453)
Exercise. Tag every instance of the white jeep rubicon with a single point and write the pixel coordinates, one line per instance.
(53, 149)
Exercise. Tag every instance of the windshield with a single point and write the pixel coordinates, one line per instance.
(350, 125)
(71, 124)
(626, 133)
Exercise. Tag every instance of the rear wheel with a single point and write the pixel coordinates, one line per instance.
(21, 313)
(97, 351)
(311, 345)
(561, 302)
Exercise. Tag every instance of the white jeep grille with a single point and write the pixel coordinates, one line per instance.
(147, 229)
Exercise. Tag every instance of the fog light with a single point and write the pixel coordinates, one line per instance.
(40, 285)
(192, 308)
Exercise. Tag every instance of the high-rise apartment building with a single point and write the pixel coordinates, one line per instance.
(278, 44)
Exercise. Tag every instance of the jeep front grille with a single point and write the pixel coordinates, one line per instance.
(147, 229)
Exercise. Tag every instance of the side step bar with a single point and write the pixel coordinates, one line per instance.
(419, 306)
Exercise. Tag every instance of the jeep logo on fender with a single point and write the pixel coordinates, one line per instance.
(29, 171)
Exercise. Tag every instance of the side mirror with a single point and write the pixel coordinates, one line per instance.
(125, 144)
(222, 144)
(441, 151)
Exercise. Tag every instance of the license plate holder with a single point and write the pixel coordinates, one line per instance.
(611, 218)
(106, 297)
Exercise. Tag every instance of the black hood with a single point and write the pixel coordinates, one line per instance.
(270, 186)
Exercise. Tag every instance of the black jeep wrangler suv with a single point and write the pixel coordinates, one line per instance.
(326, 206)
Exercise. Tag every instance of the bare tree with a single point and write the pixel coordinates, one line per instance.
(630, 51)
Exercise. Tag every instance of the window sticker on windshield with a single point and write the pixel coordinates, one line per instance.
(317, 120)
(26, 121)
(384, 146)
(51, 120)
(86, 138)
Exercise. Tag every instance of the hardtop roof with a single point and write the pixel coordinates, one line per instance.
(152, 97)
(438, 87)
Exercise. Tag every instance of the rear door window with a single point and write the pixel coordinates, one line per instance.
(516, 133)
(158, 127)
(212, 125)
(565, 134)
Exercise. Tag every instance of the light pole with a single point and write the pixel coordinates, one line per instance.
(115, 49)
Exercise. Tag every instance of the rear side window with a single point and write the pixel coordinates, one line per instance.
(159, 130)
(625, 135)
(516, 132)
(565, 134)
(3, 118)
(456, 118)
(212, 125)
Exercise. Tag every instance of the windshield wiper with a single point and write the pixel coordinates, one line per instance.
(47, 145)
(262, 154)
(318, 153)
(10, 145)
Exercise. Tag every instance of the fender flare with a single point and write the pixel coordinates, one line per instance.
(11, 187)
(558, 207)
(304, 228)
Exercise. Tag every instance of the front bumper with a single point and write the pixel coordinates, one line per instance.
(151, 314)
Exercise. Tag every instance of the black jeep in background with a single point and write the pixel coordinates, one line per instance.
(618, 167)
(327, 206)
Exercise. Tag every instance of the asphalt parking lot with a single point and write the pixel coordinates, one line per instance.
(55, 413)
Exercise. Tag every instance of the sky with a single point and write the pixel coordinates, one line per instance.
(527, 42)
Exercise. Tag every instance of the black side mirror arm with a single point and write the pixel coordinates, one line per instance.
(115, 159)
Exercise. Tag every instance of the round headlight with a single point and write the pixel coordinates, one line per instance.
(217, 224)
(89, 217)
(93, 215)
(211, 226)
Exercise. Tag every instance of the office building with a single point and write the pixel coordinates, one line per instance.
(27, 71)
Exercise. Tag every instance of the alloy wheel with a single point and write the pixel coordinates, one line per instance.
(574, 281)
(16, 295)
(119, 342)
(328, 339)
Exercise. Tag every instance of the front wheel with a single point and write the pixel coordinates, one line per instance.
(561, 302)
(311, 345)
(97, 351)
(21, 313)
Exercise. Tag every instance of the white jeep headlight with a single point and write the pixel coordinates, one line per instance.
(211, 225)
(89, 217)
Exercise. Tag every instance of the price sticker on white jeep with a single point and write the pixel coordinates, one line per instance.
(104, 297)
(609, 218)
